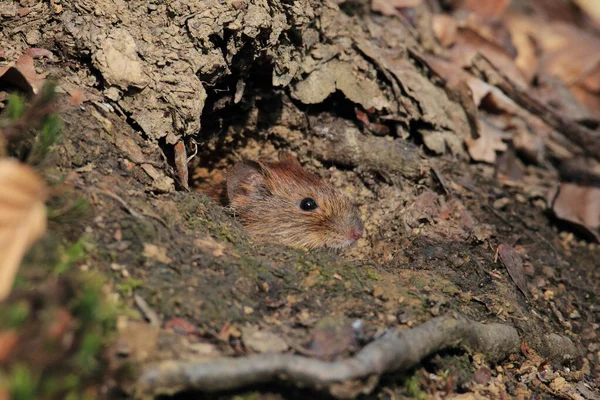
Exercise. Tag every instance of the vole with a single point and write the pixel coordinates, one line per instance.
(281, 202)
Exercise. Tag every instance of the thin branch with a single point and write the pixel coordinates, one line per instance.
(398, 350)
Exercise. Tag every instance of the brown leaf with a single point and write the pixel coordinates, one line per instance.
(61, 323)
(180, 326)
(445, 29)
(8, 341)
(227, 331)
(210, 245)
(22, 74)
(263, 341)
(491, 140)
(162, 182)
(525, 348)
(36, 52)
(362, 117)
(139, 339)
(579, 205)
(587, 392)
(181, 164)
(587, 99)
(330, 339)
(488, 8)
(22, 217)
(590, 8)
(529, 144)
(571, 55)
(573, 61)
(389, 7)
(482, 375)
(352, 389)
(522, 39)
(470, 43)
(77, 97)
(514, 265)
(455, 76)
(157, 253)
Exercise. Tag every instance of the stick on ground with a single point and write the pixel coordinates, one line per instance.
(398, 350)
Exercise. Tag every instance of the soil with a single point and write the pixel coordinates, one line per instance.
(434, 222)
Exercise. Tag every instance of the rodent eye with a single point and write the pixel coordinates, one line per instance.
(308, 204)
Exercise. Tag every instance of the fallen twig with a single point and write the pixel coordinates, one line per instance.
(397, 350)
(586, 139)
(148, 312)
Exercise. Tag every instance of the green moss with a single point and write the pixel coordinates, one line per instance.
(22, 384)
(252, 266)
(450, 288)
(13, 316)
(416, 282)
(371, 274)
(86, 358)
(15, 107)
(48, 137)
(128, 285)
(69, 256)
(414, 388)
(139, 231)
(68, 303)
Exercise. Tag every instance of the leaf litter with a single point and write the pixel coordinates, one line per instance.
(429, 235)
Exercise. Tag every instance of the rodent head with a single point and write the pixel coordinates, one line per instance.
(281, 201)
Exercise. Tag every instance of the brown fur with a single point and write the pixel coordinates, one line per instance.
(266, 196)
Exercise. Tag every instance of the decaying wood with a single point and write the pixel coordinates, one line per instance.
(397, 350)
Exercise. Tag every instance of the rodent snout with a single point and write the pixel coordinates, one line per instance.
(356, 233)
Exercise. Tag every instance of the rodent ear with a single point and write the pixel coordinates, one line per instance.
(245, 178)
(286, 157)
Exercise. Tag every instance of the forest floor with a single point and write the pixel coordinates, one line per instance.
(137, 266)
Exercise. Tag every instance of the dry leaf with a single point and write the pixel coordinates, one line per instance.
(330, 338)
(37, 52)
(578, 57)
(181, 326)
(61, 323)
(8, 341)
(522, 39)
(454, 76)
(491, 140)
(482, 375)
(591, 8)
(157, 253)
(263, 341)
(22, 74)
(579, 205)
(210, 245)
(181, 164)
(77, 97)
(389, 7)
(470, 43)
(445, 29)
(514, 264)
(488, 8)
(528, 141)
(162, 182)
(22, 217)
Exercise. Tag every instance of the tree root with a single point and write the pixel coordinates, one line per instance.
(397, 350)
